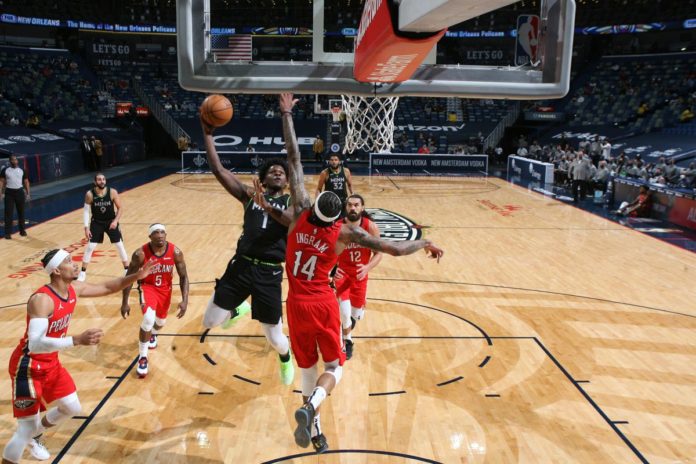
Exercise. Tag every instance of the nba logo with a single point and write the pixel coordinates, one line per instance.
(527, 48)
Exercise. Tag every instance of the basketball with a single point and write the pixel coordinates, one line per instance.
(216, 110)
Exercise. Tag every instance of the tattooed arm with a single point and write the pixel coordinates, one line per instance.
(300, 197)
(352, 234)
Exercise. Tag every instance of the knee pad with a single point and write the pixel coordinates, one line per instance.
(334, 369)
(148, 320)
(275, 336)
(214, 314)
(66, 407)
(88, 252)
(344, 306)
(159, 323)
(358, 313)
(70, 404)
(309, 379)
(121, 251)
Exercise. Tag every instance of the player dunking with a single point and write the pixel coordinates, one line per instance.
(105, 207)
(315, 240)
(37, 375)
(256, 269)
(353, 266)
(336, 179)
(156, 289)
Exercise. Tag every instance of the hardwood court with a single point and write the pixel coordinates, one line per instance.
(546, 334)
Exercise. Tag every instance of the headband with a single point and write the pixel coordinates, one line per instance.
(56, 261)
(155, 227)
(321, 215)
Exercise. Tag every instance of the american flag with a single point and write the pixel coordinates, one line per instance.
(231, 47)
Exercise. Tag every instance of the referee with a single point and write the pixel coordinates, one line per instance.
(14, 185)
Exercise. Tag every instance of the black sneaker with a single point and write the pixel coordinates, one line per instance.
(23, 233)
(352, 323)
(349, 349)
(319, 443)
(304, 417)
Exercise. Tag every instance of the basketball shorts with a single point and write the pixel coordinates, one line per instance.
(350, 288)
(315, 323)
(36, 384)
(152, 297)
(99, 228)
(244, 277)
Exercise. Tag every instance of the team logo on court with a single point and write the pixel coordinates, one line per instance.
(24, 403)
(394, 226)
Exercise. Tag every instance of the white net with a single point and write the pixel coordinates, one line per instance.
(370, 122)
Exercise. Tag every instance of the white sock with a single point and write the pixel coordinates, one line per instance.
(143, 348)
(349, 336)
(317, 397)
(316, 430)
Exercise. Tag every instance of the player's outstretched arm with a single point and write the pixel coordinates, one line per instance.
(136, 262)
(301, 200)
(112, 286)
(352, 234)
(183, 281)
(228, 180)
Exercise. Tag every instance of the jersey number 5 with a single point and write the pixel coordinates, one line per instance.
(308, 267)
(158, 280)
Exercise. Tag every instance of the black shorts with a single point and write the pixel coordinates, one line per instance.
(262, 281)
(98, 228)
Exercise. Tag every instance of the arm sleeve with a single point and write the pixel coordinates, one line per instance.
(40, 343)
(85, 215)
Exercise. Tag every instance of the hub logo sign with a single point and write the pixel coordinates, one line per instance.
(393, 226)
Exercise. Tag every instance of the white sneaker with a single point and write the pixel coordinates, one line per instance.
(38, 450)
(82, 276)
(152, 344)
(142, 367)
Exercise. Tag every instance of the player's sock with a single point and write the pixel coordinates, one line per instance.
(348, 337)
(143, 347)
(284, 357)
(318, 395)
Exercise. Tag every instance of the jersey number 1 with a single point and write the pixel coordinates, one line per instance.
(308, 267)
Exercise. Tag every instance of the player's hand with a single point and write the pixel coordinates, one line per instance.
(113, 224)
(287, 102)
(125, 311)
(89, 337)
(207, 129)
(88, 233)
(182, 310)
(362, 272)
(433, 251)
(259, 197)
(28, 197)
(339, 274)
(146, 270)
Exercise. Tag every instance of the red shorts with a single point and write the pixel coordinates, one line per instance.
(36, 384)
(159, 300)
(350, 288)
(315, 322)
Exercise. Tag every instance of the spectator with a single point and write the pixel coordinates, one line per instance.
(87, 154)
(689, 176)
(640, 207)
(672, 173)
(601, 177)
(522, 151)
(250, 149)
(606, 150)
(686, 115)
(581, 171)
(424, 150)
(318, 149)
(98, 149)
(182, 143)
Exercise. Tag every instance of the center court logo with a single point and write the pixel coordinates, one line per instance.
(393, 226)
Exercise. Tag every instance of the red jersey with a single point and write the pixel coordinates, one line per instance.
(355, 254)
(57, 324)
(163, 271)
(309, 257)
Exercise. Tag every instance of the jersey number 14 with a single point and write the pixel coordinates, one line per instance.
(308, 267)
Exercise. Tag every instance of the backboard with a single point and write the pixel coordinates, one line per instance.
(329, 69)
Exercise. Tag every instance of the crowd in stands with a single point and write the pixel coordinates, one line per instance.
(592, 164)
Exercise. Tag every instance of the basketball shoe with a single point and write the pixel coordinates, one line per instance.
(349, 349)
(38, 450)
(319, 443)
(142, 367)
(152, 344)
(305, 418)
(242, 310)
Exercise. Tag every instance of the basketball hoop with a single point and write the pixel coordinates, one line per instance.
(336, 113)
(370, 122)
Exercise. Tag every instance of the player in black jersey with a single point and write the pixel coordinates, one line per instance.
(336, 179)
(104, 206)
(256, 269)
